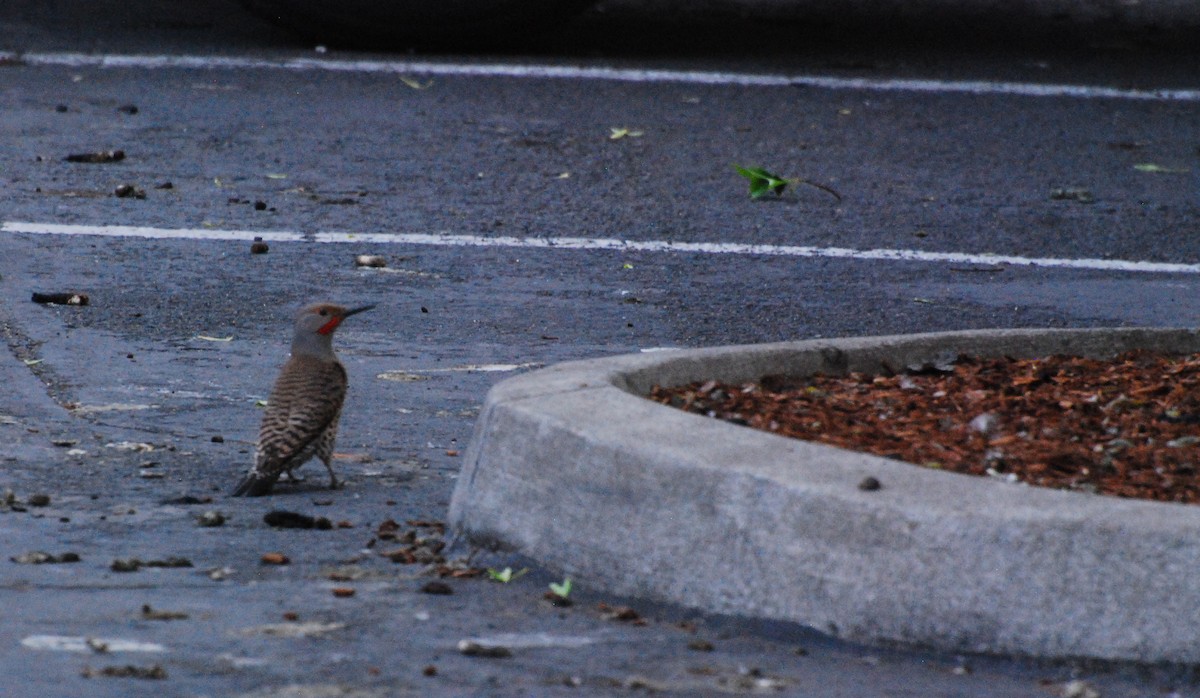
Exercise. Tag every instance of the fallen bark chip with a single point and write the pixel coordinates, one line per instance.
(471, 648)
(98, 157)
(404, 556)
(38, 500)
(869, 484)
(128, 191)
(129, 671)
(169, 562)
(458, 569)
(130, 109)
(149, 613)
(260, 206)
(60, 298)
(259, 247)
(387, 530)
(343, 592)
(437, 588)
(370, 260)
(290, 519)
(621, 613)
(701, 646)
(1123, 426)
(423, 553)
(37, 557)
(131, 564)
(274, 559)
(210, 519)
(429, 670)
(164, 185)
(188, 499)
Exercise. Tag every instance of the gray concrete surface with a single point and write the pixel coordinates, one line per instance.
(571, 466)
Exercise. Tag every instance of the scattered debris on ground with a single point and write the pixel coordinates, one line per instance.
(101, 157)
(472, 648)
(149, 613)
(37, 557)
(187, 500)
(133, 564)
(437, 588)
(60, 298)
(624, 614)
(210, 519)
(291, 519)
(129, 191)
(370, 260)
(128, 671)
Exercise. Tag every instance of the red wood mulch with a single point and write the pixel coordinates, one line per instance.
(1128, 427)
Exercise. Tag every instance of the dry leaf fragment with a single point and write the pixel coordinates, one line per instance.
(616, 133)
(416, 84)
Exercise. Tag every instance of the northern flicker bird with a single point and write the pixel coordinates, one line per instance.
(301, 420)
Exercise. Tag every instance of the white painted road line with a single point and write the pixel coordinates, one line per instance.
(133, 231)
(612, 244)
(564, 72)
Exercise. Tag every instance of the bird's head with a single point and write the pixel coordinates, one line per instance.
(323, 318)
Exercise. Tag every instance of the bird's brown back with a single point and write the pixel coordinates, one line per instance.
(305, 401)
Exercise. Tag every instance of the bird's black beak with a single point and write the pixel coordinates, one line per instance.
(360, 309)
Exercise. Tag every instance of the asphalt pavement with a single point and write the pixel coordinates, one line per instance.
(136, 413)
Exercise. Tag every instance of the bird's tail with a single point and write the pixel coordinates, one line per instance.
(254, 485)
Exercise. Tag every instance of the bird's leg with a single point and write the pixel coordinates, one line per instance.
(334, 483)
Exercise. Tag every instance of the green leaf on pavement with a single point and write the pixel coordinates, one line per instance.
(505, 575)
(561, 590)
(762, 181)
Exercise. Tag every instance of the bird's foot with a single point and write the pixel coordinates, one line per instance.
(289, 476)
(335, 484)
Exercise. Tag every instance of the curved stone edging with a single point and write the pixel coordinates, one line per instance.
(569, 466)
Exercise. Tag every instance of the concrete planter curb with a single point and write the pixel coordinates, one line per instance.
(569, 466)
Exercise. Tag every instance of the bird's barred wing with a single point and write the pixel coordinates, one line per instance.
(305, 401)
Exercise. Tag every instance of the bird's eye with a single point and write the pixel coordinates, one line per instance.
(324, 312)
